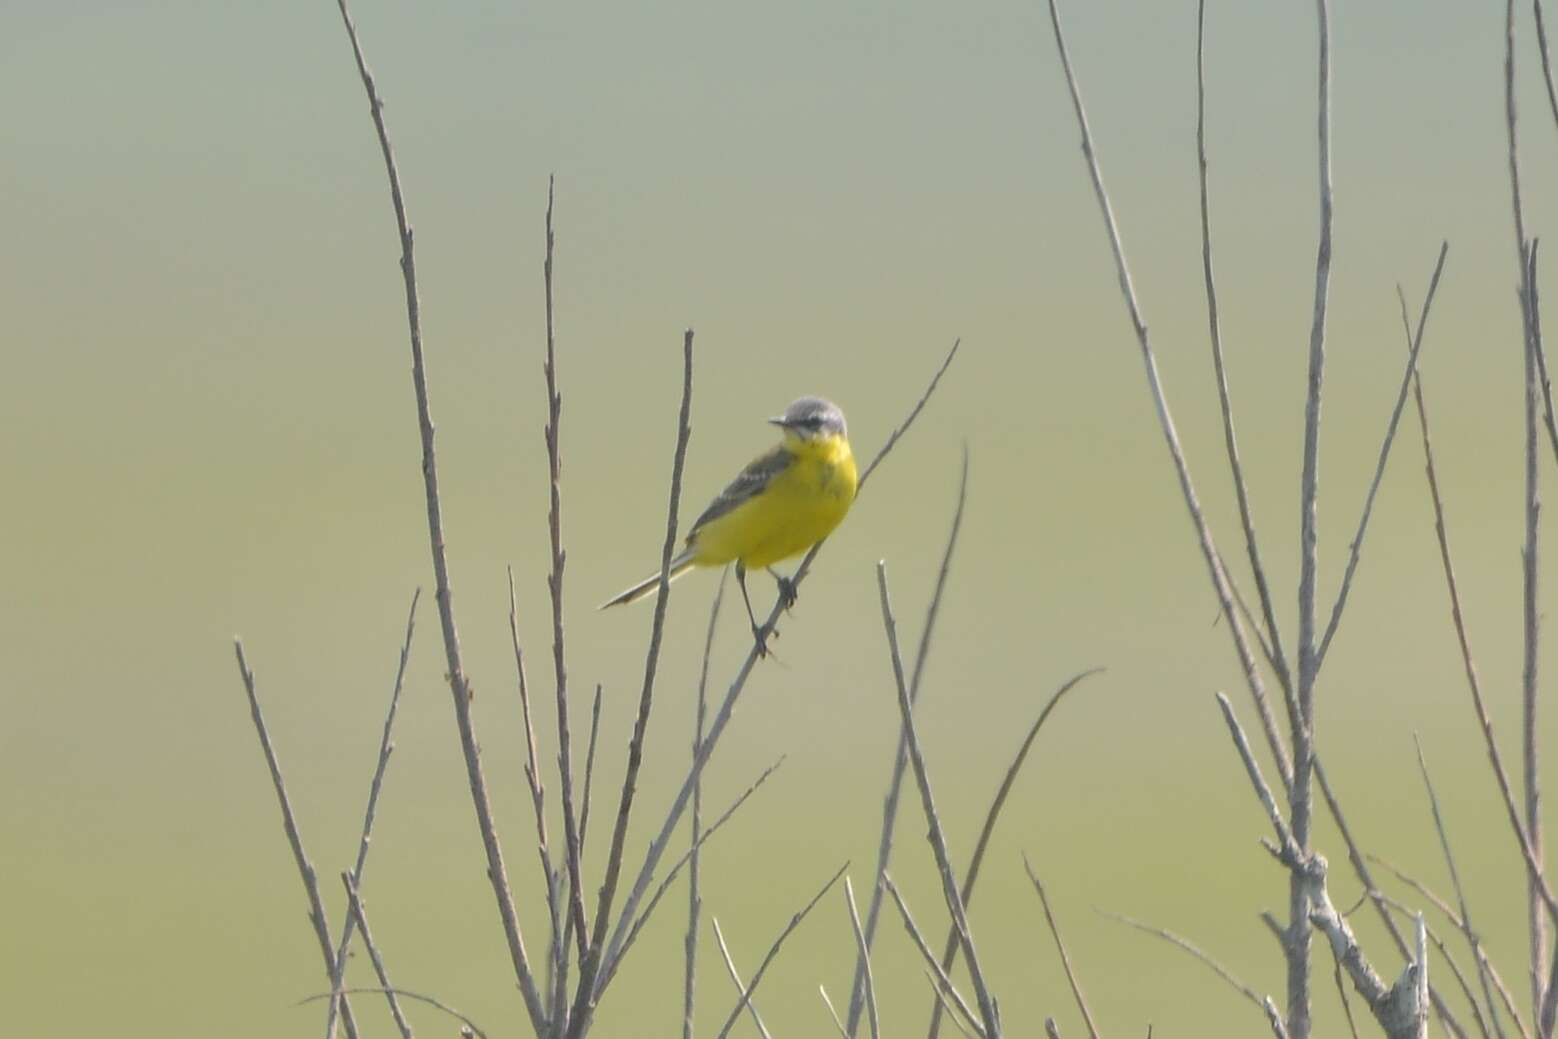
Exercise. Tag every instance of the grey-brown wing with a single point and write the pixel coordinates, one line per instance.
(748, 484)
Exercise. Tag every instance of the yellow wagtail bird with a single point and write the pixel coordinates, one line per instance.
(780, 505)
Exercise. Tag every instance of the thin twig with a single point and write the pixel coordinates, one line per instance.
(943, 981)
(951, 1014)
(1547, 65)
(1473, 941)
(1536, 923)
(1361, 868)
(949, 948)
(1341, 992)
(865, 956)
(832, 1012)
(1247, 662)
(735, 977)
(1291, 853)
(938, 842)
(1410, 914)
(589, 773)
(406, 994)
(1301, 799)
(884, 848)
(727, 706)
(1449, 913)
(670, 877)
(559, 558)
(386, 748)
(584, 1001)
(316, 906)
(1457, 615)
(1065, 957)
(773, 951)
(355, 910)
(1356, 548)
(694, 900)
(1274, 650)
(1261, 1003)
(538, 804)
(459, 684)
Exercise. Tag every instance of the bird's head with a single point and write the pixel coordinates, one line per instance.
(812, 418)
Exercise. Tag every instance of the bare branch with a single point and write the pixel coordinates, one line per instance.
(1472, 940)
(884, 850)
(1356, 549)
(407, 994)
(538, 804)
(735, 976)
(950, 946)
(584, 1001)
(1536, 923)
(1381, 902)
(865, 957)
(675, 870)
(1247, 660)
(386, 748)
(1274, 651)
(987, 1006)
(359, 917)
(694, 900)
(834, 1014)
(773, 951)
(1261, 1003)
(316, 907)
(1060, 945)
(943, 982)
(554, 521)
(459, 684)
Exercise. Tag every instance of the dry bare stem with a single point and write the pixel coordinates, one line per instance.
(1273, 641)
(1355, 549)
(950, 946)
(1262, 1003)
(554, 521)
(1381, 902)
(592, 962)
(1473, 940)
(418, 997)
(942, 980)
(773, 952)
(1536, 922)
(864, 952)
(687, 856)
(316, 906)
(735, 977)
(1060, 945)
(354, 909)
(375, 785)
(884, 850)
(694, 900)
(988, 1011)
(459, 684)
(1247, 661)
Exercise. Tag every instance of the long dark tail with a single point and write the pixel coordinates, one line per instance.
(679, 566)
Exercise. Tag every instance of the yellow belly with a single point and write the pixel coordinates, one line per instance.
(797, 509)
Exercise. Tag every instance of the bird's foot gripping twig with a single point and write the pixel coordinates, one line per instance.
(787, 593)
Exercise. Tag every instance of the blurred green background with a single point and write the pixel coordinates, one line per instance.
(208, 430)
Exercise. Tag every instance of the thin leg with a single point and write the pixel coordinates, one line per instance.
(757, 633)
(786, 588)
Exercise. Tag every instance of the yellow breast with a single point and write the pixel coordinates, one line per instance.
(800, 506)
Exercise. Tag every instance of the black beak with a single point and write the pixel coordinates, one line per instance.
(779, 421)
